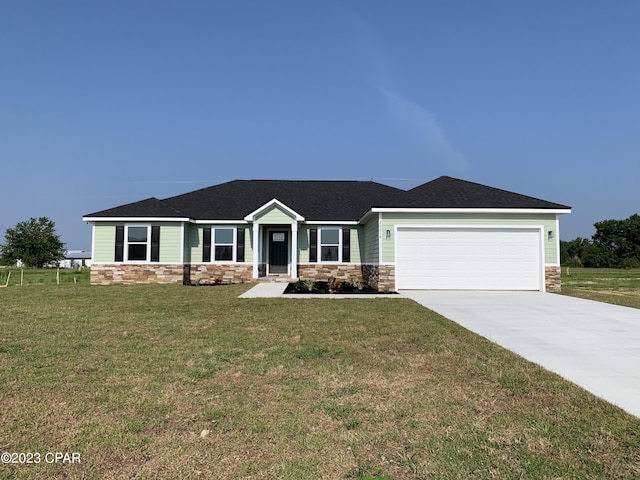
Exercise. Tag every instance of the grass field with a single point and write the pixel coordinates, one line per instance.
(149, 381)
(42, 276)
(618, 286)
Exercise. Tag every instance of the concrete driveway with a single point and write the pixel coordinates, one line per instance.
(593, 344)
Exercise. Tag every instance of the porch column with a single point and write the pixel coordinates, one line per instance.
(256, 252)
(294, 250)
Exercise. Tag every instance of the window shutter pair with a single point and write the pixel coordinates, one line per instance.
(206, 245)
(313, 245)
(155, 244)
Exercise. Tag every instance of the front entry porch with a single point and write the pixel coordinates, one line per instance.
(276, 247)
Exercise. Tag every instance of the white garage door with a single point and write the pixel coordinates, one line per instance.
(469, 258)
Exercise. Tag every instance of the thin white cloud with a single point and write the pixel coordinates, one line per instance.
(416, 122)
(421, 126)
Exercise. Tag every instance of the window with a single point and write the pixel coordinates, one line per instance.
(329, 245)
(137, 243)
(223, 244)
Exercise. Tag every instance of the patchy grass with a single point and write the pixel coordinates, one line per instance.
(152, 381)
(10, 276)
(609, 285)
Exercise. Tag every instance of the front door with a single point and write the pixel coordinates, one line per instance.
(278, 252)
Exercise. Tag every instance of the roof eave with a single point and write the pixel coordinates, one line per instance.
(136, 219)
(374, 210)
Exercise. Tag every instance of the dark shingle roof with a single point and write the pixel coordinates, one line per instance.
(323, 200)
(314, 200)
(448, 192)
(151, 207)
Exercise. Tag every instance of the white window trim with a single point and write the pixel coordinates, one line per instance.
(126, 243)
(233, 245)
(339, 244)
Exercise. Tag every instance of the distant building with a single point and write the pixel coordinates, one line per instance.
(76, 259)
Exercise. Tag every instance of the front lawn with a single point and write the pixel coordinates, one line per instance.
(149, 381)
(609, 285)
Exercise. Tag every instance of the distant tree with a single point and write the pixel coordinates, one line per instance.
(572, 252)
(619, 240)
(34, 242)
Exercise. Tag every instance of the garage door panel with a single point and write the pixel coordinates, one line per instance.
(463, 258)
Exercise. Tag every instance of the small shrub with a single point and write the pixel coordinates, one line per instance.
(333, 284)
(309, 284)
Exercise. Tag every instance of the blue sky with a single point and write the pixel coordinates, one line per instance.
(106, 103)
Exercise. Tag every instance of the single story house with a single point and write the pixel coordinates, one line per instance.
(444, 234)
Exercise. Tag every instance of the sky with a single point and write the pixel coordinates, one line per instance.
(107, 103)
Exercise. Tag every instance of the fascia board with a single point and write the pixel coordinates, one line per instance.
(470, 210)
(219, 222)
(331, 222)
(135, 219)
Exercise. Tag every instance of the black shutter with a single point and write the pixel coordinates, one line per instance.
(346, 245)
(313, 245)
(206, 245)
(240, 245)
(119, 256)
(155, 243)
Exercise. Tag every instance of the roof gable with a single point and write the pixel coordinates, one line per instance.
(271, 207)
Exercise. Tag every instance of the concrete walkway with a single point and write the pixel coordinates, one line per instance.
(266, 290)
(593, 344)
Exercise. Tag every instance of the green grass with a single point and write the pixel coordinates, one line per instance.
(11, 276)
(610, 285)
(152, 381)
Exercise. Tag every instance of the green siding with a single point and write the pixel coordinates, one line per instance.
(548, 221)
(104, 241)
(275, 215)
(370, 238)
(303, 244)
(303, 241)
(193, 242)
(170, 242)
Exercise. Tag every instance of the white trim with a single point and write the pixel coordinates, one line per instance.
(141, 262)
(294, 250)
(332, 227)
(219, 222)
(557, 241)
(125, 253)
(252, 216)
(539, 228)
(93, 240)
(379, 210)
(233, 244)
(332, 222)
(256, 249)
(380, 240)
(268, 229)
(470, 210)
(181, 242)
(136, 219)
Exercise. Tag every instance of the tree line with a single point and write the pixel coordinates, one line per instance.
(616, 244)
